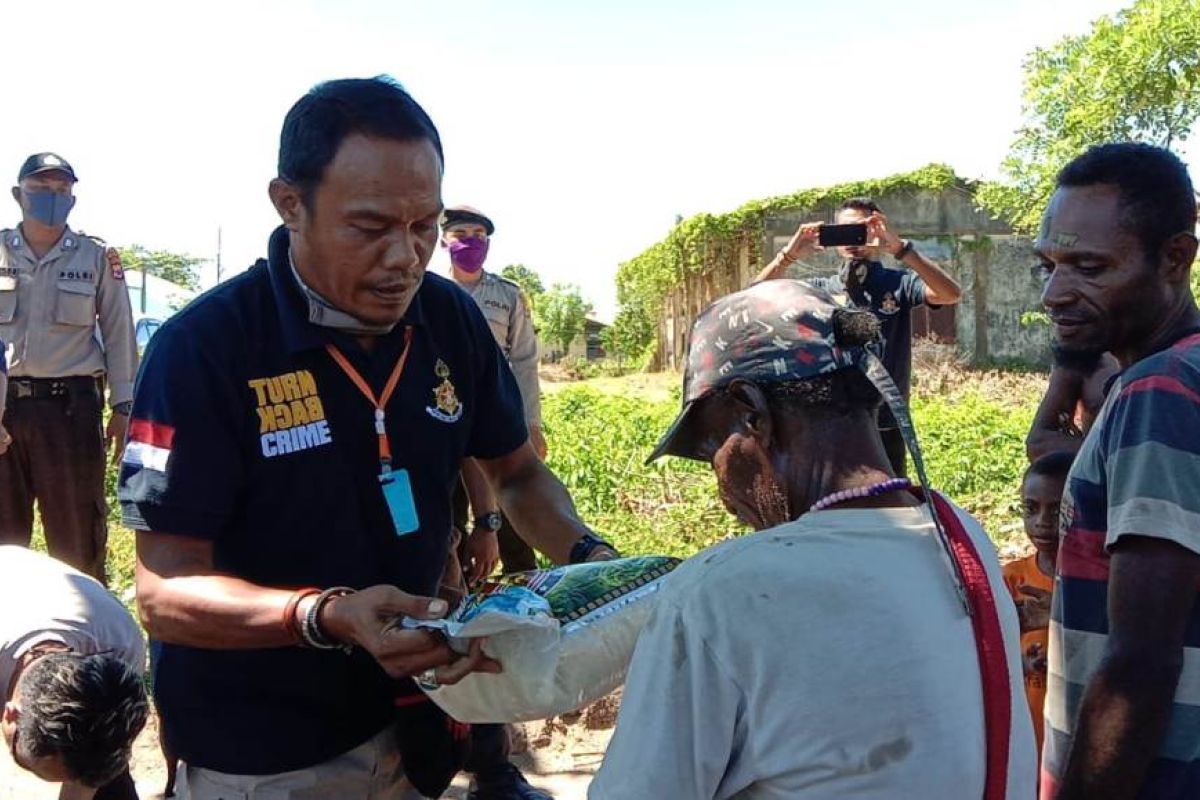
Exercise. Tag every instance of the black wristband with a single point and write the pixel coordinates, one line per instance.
(583, 548)
(905, 250)
(489, 522)
(124, 409)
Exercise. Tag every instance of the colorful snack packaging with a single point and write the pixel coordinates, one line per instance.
(564, 636)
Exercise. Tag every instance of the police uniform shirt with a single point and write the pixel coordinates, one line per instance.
(50, 307)
(891, 294)
(507, 311)
(245, 432)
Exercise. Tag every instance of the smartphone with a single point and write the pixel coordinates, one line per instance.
(843, 235)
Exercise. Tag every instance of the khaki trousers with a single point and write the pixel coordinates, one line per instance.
(371, 771)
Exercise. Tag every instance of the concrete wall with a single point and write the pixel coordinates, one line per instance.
(991, 264)
(998, 290)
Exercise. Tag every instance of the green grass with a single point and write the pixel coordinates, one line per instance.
(972, 426)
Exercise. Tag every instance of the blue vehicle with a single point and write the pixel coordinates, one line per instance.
(144, 329)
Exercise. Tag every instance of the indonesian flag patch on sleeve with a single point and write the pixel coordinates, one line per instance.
(114, 263)
(149, 445)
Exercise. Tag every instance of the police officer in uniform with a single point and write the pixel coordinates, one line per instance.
(466, 233)
(5, 438)
(66, 319)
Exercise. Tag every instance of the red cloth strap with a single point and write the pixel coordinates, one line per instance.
(989, 645)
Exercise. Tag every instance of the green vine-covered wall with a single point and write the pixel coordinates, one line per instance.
(700, 243)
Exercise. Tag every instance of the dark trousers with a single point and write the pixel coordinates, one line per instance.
(122, 788)
(897, 453)
(490, 744)
(515, 554)
(57, 458)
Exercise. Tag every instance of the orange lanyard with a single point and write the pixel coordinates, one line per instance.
(380, 403)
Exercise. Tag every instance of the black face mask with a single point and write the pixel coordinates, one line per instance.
(851, 277)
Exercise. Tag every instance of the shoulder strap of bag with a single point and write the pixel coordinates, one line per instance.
(989, 646)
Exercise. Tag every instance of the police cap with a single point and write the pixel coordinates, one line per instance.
(457, 215)
(45, 162)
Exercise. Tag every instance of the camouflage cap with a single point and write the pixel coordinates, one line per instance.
(774, 332)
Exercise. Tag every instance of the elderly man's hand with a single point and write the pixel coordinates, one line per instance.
(5, 440)
(370, 620)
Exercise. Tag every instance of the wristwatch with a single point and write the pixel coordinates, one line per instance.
(124, 409)
(582, 549)
(491, 521)
(905, 250)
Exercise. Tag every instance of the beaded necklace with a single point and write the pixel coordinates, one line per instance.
(874, 490)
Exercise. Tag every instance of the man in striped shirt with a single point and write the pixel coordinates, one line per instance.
(1123, 707)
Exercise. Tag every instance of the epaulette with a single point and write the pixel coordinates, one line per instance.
(85, 235)
(111, 256)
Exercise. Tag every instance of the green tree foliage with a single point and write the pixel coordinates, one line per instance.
(1132, 77)
(529, 281)
(631, 333)
(561, 314)
(182, 270)
(526, 278)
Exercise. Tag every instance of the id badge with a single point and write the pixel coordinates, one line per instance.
(398, 494)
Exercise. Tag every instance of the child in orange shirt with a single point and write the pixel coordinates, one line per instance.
(1030, 580)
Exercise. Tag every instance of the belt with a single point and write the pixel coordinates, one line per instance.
(41, 388)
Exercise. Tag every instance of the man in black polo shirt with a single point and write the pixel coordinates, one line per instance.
(295, 436)
(891, 294)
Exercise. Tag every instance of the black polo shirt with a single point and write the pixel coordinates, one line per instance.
(891, 294)
(246, 432)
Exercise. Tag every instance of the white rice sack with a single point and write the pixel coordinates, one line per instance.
(564, 636)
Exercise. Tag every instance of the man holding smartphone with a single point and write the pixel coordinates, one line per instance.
(891, 294)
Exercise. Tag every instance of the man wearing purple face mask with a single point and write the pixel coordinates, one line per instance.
(466, 233)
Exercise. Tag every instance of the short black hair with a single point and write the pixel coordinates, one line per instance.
(319, 122)
(1156, 191)
(864, 204)
(86, 710)
(1051, 465)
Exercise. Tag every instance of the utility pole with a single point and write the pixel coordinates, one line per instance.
(218, 254)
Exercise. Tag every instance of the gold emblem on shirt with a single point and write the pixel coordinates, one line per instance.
(447, 407)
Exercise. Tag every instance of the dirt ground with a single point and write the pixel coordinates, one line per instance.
(559, 755)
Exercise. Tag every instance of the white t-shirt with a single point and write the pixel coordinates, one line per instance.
(826, 658)
(44, 600)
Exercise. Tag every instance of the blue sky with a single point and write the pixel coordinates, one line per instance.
(581, 128)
